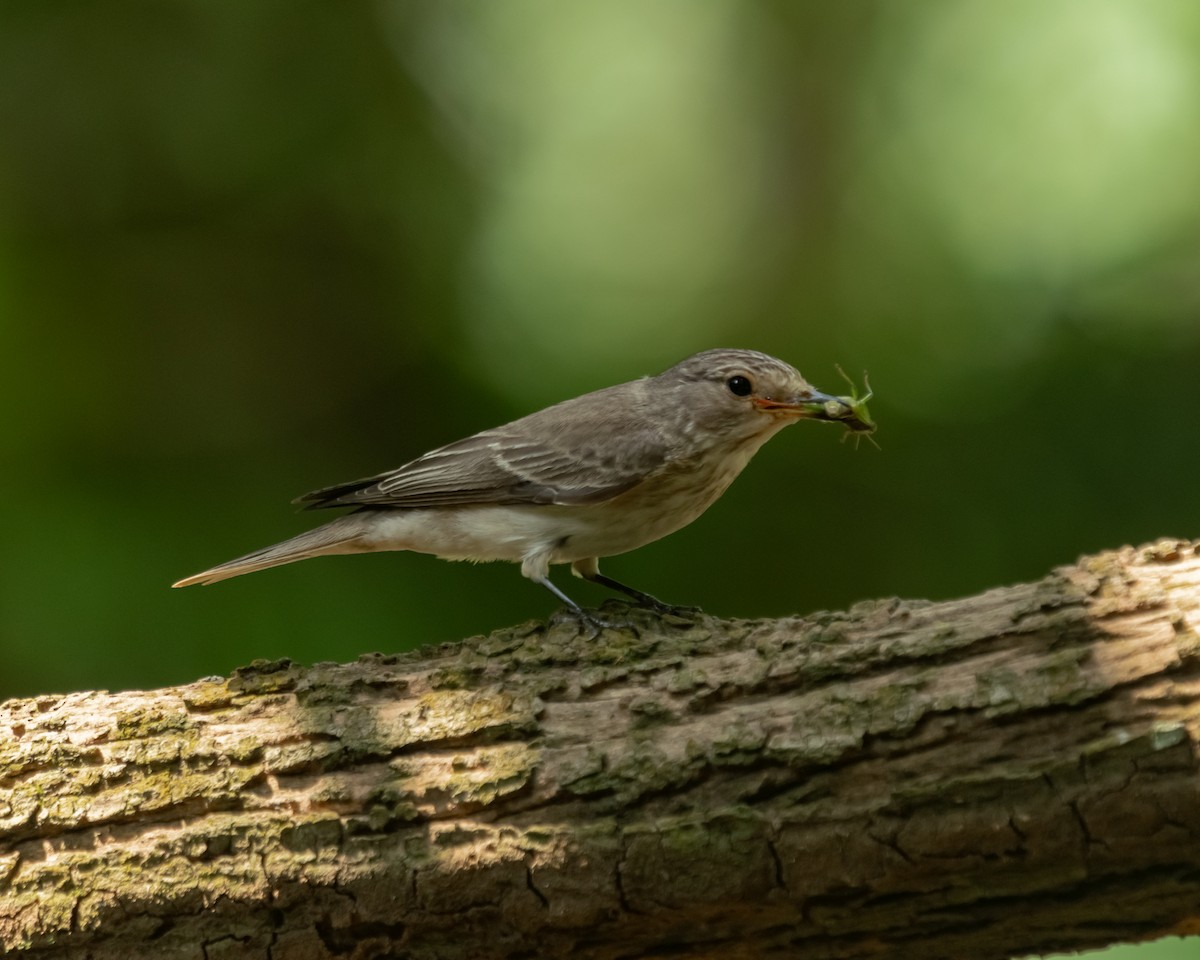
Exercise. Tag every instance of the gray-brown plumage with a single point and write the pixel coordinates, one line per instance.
(594, 476)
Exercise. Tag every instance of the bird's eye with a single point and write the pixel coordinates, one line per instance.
(739, 386)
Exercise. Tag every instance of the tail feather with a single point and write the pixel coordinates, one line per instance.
(343, 535)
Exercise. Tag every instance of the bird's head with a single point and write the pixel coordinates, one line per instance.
(752, 393)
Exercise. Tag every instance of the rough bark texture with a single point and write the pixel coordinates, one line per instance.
(1010, 773)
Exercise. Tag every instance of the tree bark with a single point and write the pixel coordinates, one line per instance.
(1010, 773)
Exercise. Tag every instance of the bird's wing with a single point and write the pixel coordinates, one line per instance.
(549, 457)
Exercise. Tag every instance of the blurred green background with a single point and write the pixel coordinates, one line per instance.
(247, 250)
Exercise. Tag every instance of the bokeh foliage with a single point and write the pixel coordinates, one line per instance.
(248, 249)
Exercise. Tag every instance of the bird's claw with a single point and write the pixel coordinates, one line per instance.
(685, 612)
(585, 620)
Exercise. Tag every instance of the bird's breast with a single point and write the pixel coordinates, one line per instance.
(666, 501)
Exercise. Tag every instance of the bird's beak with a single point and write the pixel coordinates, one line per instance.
(812, 404)
(815, 405)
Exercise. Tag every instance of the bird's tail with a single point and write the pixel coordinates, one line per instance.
(343, 535)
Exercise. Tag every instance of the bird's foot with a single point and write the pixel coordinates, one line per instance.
(593, 622)
(640, 598)
(669, 609)
(588, 622)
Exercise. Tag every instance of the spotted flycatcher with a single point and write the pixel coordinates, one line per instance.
(587, 478)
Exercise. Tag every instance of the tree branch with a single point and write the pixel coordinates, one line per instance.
(1014, 772)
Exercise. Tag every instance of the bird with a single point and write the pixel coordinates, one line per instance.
(588, 478)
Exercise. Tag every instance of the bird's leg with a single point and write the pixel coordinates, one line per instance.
(640, 598)
(567, 601)
(536, 567)
(589, 569)
(595, 623)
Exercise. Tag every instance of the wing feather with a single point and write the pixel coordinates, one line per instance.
(585, 450)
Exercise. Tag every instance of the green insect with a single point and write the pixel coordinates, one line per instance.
(852, 411)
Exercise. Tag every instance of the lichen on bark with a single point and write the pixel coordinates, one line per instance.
(1008, 773)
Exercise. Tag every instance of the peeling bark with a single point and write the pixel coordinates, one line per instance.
(1010, 773)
